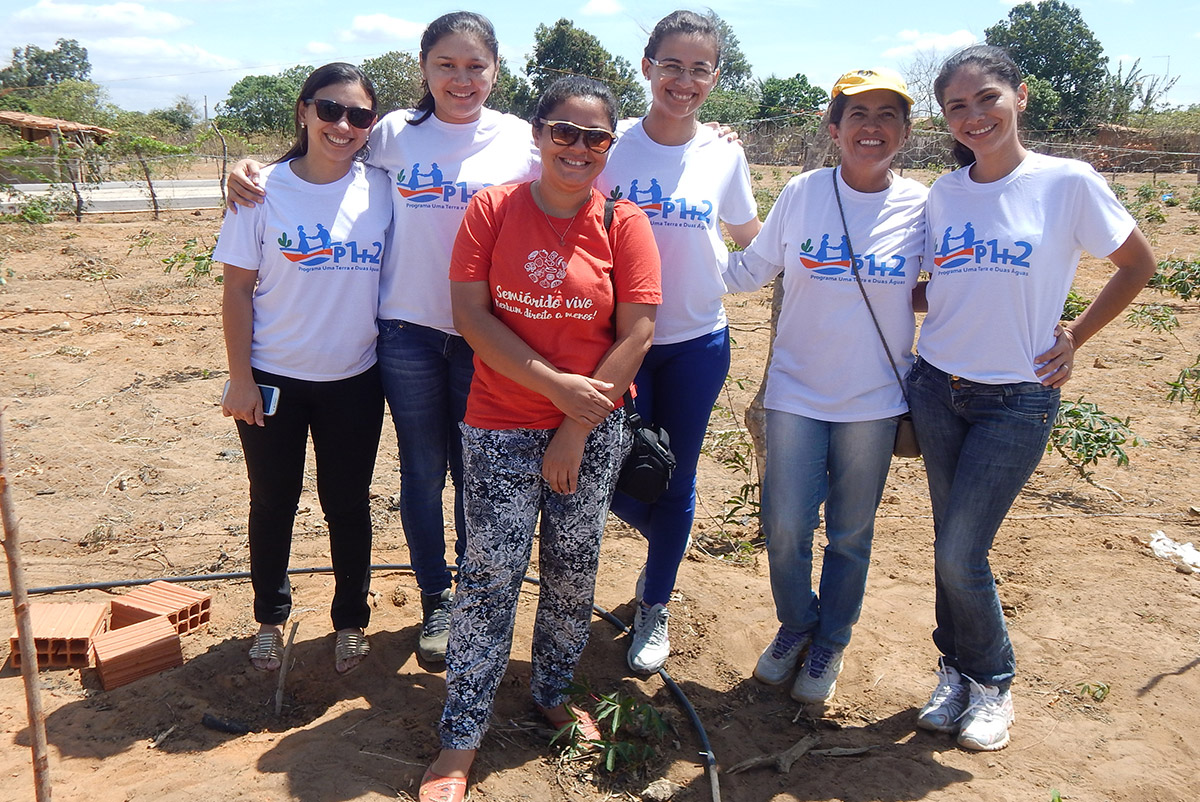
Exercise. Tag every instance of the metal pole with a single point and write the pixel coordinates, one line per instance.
(29, 662)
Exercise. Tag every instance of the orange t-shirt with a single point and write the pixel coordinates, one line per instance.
(557, 298)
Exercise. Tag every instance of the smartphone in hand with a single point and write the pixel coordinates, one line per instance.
(270, 397)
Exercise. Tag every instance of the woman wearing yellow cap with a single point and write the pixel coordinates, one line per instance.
(848, 241)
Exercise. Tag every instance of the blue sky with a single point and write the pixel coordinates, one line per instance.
(147, 53)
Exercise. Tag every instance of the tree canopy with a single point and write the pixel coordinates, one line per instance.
(564, 49)
(264, 102)
(33, 67)
(397, 79)
(1051, 41)
(782, 96)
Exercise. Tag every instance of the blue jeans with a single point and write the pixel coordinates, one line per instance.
(844, 465)
(677, 386)
(981, 443)
(426, 377)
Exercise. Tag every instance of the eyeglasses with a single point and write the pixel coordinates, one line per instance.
(598, 140)
(672, 70)
(331, 112)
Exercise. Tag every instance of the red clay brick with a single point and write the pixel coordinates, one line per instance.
(137, 651)
(186, 608)
(63, 633)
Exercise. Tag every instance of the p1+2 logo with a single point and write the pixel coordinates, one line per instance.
(430, 186)
(651, 201)
(956, 250)
(311, 250)
(836, 260)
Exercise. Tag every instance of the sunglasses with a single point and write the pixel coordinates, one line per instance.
(331, 112)
(597, 140)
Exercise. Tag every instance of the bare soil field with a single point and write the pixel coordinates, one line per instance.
(122, 467)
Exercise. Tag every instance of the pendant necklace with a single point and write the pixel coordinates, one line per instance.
(562, 238)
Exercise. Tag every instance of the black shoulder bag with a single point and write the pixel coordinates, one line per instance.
(906, 436)
(648, 468)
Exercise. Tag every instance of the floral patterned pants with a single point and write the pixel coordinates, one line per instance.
(504, 493)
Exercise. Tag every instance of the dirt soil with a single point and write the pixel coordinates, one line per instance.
(121, 467)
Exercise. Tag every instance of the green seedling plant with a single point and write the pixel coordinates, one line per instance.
(193, 260)
(1193, 202)
(1096, 691)
(1083, 434)
(1074, 305)
(630, 730)
(1186, 387)
(1155, 317)
(1179, 277)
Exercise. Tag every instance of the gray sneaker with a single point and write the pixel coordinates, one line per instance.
(817, 679)
(987, 718)
(779, 659)
(651, 645)
(944, 710)
(435, 625)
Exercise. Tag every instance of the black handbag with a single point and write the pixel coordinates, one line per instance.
(648, 468)
(906, 444)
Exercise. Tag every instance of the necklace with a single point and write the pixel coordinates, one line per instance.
(562, 238)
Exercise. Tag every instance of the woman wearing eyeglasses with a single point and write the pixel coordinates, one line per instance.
(300, 288)
(559, 304)
(688, 180)
(437, 155)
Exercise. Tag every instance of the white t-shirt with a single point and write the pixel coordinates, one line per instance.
(828, 363)
(684, 190)
(1002, 257)
(318, 250)
(435, 168)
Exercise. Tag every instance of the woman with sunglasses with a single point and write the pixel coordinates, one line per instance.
(300, 288)
(438, 155)
(556, 291)
(688, 180)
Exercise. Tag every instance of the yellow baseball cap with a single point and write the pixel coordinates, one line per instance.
(865, 80)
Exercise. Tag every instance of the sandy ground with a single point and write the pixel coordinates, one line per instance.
(121, 466)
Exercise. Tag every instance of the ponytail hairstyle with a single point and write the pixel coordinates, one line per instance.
(685, 23)
(339, 72)
(993, 61)
(466, 23)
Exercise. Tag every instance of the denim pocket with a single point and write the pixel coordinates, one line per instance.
(388, 328)
(1038, 404)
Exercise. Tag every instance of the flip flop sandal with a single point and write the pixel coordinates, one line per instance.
(436, 788)
(351, 644)
(586, 728)
(268, 646)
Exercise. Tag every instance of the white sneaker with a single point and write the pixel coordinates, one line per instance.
(943, 711)
(651, 646)
(779, 659)
(817, 679)
(987, 718)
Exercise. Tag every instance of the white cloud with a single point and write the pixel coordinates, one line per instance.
(319, 48)
(601, 8)
(145, 57)
(919, 42)
(382, 28)
(66, 18)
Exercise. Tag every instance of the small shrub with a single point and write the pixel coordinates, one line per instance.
(1193, 203)
(1083, 434)
(1178, 277)
(1074, 305)
(1156, 317)
(630, 730)
(1187, 386)
(193, 260)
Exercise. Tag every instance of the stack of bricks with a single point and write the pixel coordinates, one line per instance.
(146, 625)
(136, 637)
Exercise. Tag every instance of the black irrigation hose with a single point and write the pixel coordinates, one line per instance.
(710, 760)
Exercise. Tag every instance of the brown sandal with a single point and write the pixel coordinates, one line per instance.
(349, 650)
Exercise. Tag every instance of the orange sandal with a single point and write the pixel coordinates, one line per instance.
(586, 728)
(436, 788)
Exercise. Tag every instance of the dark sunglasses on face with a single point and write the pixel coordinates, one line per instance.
(331, 112)
(597, 140)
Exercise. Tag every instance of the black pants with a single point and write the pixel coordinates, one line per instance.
(345, 418)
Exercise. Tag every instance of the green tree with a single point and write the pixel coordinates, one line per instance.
(782, 96)
(730, 106)
(33, 67)
(566, 50)
(1041, 111)
(1050, 40)
(397, 79)
(78, 101)
(735, 97)
(511, 93)
(263, 103)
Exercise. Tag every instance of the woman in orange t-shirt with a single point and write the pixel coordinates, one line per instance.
(560, 312)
